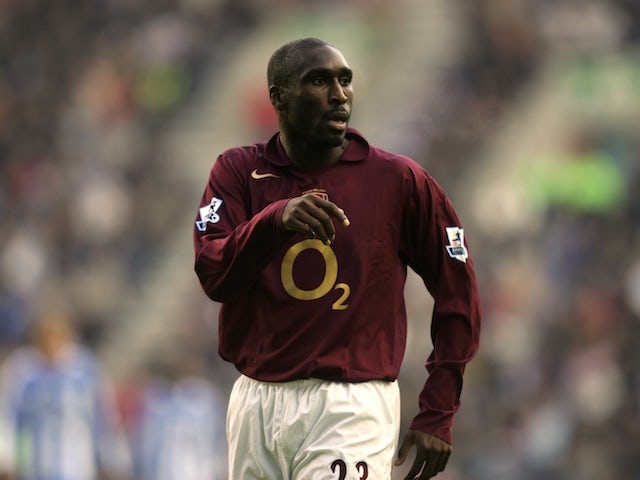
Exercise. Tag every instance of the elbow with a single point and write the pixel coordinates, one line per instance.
(208, 279)
(212, 284)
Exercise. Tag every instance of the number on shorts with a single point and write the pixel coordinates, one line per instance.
(365, 470)
(341, 467)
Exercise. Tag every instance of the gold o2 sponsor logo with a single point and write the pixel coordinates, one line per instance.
(327, 284)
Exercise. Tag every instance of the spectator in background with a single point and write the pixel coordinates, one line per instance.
(58, 411)
(180, 434)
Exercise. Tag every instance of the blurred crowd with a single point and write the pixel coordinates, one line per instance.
(87, 90)
(554, 391)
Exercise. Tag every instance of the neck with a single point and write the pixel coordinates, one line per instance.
(312, 156)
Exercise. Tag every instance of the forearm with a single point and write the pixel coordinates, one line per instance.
(455, 340)
(227, 261)
(438, 402)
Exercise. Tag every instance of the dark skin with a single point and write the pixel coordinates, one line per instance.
(313, 112)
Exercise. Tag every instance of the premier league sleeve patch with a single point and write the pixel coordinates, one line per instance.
(209, 214)
(456, 248)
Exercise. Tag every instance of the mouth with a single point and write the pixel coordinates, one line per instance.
(338, 120)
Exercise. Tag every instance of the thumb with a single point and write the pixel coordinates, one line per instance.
(404, 450)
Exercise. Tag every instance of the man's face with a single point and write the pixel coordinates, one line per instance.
(318, 99)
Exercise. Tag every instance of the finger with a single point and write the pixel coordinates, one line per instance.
(429, 471)
(344, 220)
(426, 474)
(306, 221)
(298, 225)
(415, 469)
(404, 450)
(332, 209)
(322, 230)
(435, 465)
(318, 215)
(326, 213)
(313, 216)
(443, 460)
(309, 231)
(325, 228)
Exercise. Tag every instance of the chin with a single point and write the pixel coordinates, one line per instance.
(332, 140)
(335, 142)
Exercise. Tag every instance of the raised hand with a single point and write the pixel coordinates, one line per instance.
(313, 216)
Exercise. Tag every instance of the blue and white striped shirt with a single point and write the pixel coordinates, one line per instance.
(61, 418)
(181, 434)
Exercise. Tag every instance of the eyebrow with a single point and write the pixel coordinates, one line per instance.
(327, 72)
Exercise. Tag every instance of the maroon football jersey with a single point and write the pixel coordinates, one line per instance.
(293, 307)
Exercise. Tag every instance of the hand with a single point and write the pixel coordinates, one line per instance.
(312, 215)
(432, 455)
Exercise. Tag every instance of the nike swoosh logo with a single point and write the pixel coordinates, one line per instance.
(260, 176)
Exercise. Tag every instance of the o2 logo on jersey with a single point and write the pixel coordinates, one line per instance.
(209, 214)
(328, 283)
(456, 246)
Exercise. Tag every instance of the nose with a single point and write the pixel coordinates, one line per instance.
(338, 92)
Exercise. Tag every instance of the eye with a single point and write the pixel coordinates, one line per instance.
(345, 81)
(318, 81)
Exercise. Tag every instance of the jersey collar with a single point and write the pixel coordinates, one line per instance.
(356, 151)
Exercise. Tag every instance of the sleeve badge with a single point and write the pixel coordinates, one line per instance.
(456, 248)
(209, 214)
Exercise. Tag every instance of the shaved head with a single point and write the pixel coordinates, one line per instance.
(287, 59)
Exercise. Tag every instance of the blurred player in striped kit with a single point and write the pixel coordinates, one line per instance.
(180, 431)
(58, 413)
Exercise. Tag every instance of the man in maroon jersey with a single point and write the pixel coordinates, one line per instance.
(305, 240)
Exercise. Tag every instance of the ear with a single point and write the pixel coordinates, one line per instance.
(277, 97)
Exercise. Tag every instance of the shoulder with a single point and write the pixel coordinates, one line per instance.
(238, 162)
(83, 362)
(241, 155)
(20, 368)
(233, 165)
(20, 361)
(243, 151)
(402, 165)
(399, 160)
(410, 177)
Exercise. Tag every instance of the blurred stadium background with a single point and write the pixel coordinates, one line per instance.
(526, 111)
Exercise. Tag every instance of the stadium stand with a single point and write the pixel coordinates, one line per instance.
(525, 111)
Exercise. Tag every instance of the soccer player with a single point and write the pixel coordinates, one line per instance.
(179, 432)
(305, 240)
(58, 412)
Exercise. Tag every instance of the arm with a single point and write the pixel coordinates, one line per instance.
(233, 245)
(111, 446)
(6, 439)
(228, 261)
(439, 255)
(11, 386)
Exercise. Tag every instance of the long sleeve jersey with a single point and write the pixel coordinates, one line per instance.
(293, 307)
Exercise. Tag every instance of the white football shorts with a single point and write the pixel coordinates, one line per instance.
(312, 430)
